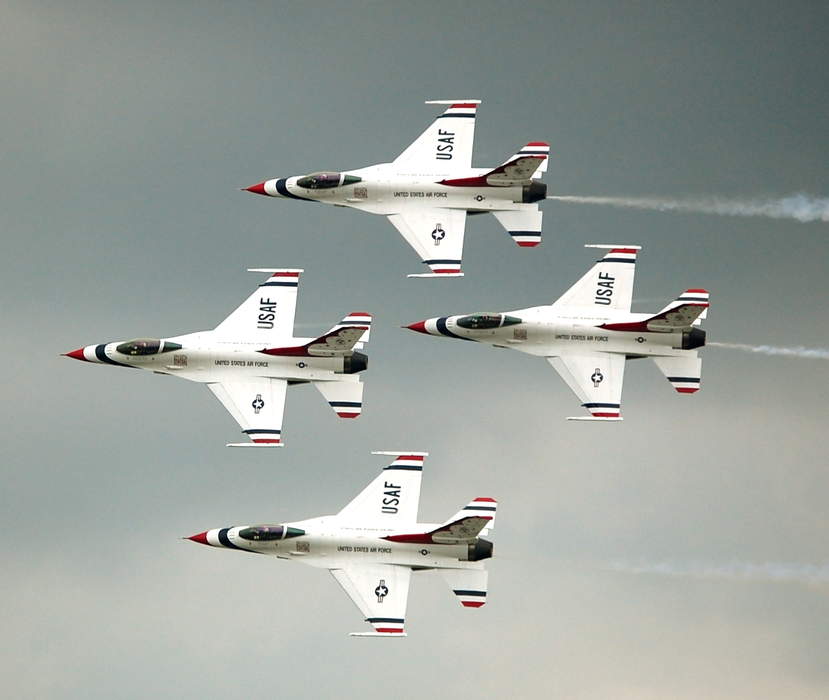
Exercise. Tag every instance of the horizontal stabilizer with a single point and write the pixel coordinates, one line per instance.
(686, 311)
(341, 340)
(378, 634)
(684, 373)
(468, 585)
(345, 396)
(524, 225)
(472, 521)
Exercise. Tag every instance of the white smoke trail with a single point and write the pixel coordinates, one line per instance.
(799, 207)
(748, 571)
(799, 351)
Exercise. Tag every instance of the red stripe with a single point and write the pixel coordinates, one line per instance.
(623, 250)
(538, 143)
(267, 440)
(360, 313)
(605, 415)
(528, 244)
(390, 630)
(443, 272)
(285, 274)
(471, 603)
(417, 458)
(466, 105)
(488, 500)
(698, 291)
(347, 415)
(686, 390)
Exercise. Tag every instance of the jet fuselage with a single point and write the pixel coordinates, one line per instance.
(380, 190)
(199, 358)
(542, 332)
(328, 543)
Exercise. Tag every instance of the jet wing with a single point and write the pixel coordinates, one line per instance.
(607, 286)
(596, 378)
(257, 407)
(446, 145)
(267, 315)
(436, 234)
(381, 592)
(392, 498)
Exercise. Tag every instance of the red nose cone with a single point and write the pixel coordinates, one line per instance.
(257, 189)
(201, 538)
(420, 327)
(76, 354)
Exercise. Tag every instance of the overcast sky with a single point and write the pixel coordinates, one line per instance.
(679, 554)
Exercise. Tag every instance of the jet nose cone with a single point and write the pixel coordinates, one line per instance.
(201, 538)
(76, 354)
(420, 327)
(257, 189)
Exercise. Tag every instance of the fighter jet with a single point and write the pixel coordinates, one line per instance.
(251, 358)
(427, 191)
(373, 544)
(590, 331)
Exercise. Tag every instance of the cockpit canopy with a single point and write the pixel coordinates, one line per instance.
(486, 321)
(268, 533)
(146, 346)
(324, 181)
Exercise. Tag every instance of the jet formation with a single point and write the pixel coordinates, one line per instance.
(589, 333)
(251, 358)
(374, 543)
(428, 190)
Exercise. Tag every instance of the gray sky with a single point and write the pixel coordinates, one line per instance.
(637, 560)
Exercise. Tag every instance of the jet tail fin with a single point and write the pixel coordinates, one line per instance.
(468, 585)
(684, 373)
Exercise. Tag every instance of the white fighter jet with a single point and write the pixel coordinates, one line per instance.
(373, 544)
(589, 333)
(427, 191)
(251, 358)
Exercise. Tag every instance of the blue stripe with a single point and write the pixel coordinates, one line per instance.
(623, 260)
(262, 431)
(442, 262)
(536, 153)
(279, 284)
(454, 116)
(525, 233)
(463, 592)
(101, 355)
(692, 299)
(602, 405)
(441, 326)
(283, 190)
(684, 379)
(355, 404)
(480, 508)
(385, 619)
(223, 538)
(404, 468)
(355, 323)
